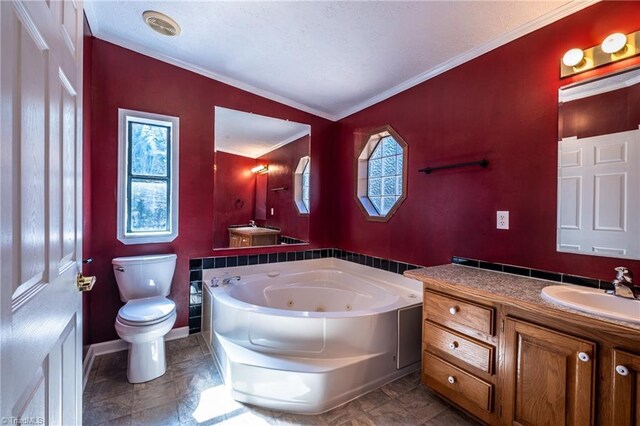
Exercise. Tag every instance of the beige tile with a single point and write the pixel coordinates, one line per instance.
(373, 400)
(186, 353)
(392, 413)
(121, 421)
(399, 387)
(163, 415)
(289, 419)
(417, 397)
(105, 410)
(185, 342)
(451, 417)
(342, 414)
(363, 420)
(156, 383)
(112, 365)
(192, 366)
(109, 388)
(210, 406)
(430, 410)
(196, 381)
(150, 397)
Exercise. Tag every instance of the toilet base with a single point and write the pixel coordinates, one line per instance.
(146, 361)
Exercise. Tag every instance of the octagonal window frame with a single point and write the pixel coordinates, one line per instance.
(372, 139)
(302, 202)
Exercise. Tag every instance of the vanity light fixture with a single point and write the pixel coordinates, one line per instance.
(574, 58)
(260, 169)
(615, 47)
(614, 43)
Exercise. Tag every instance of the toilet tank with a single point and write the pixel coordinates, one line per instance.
(144, 276)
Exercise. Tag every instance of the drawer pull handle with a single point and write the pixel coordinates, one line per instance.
(453, 310)
(453, 345)
(622, 370)
(451, 379)
(584, 357)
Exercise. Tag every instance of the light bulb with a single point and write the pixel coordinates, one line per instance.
(573, 57)
(614, 43)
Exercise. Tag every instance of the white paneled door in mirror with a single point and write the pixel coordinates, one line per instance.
(40, 212)
(598, 197)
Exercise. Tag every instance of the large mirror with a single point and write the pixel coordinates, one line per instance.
(262, 175)
(599, 166)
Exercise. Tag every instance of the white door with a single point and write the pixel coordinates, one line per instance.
(40, 211)
(599, 195)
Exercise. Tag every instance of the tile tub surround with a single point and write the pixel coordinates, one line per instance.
(191, 393)
(197, 265)
(518, 291)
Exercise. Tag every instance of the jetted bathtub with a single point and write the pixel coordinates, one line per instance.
(307, 336)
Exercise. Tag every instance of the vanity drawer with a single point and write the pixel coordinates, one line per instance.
(458, 314)
(474, 353)
(467, 390)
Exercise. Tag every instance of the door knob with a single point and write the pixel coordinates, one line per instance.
(85, 283)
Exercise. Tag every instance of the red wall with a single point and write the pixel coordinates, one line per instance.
(282, 165)
(124, 79)
(603, 114)
(235, 197)
(502, 106)
(87, 47)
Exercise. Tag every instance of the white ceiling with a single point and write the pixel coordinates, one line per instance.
(329, 58)
(253, 135)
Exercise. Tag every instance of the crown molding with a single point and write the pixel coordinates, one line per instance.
(546, 19)
(206, 73)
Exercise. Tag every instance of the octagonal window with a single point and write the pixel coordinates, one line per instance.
(301, 183)
(382, 174)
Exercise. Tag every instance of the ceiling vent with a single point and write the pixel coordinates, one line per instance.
(161, 23)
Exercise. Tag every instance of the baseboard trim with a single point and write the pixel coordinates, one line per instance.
(118, 345)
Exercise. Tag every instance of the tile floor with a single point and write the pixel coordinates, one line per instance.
(191, 393)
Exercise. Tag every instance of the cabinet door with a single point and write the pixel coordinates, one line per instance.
(626, 388)
(548, 377)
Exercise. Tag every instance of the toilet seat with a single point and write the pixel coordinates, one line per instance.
(146, 311)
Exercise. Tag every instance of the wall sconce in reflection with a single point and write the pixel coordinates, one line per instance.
(615, 47)
(263, 168)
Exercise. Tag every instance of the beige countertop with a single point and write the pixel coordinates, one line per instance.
(249, 230)
(515, 290)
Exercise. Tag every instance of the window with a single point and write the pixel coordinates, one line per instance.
(301, 185)
(381, 186)
(147, 177)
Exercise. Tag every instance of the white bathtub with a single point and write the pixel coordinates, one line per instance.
(307, 336)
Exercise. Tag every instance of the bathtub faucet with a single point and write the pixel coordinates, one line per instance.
(227, 281)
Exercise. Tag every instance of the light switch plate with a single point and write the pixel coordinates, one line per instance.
(502, 220)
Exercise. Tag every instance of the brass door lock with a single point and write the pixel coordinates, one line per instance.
(85, 283)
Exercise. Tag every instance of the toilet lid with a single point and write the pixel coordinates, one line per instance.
(147, 309)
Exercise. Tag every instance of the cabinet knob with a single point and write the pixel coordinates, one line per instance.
(453, 310)
(622, 370)
(453, 345)
(584, 357)
(451, 379)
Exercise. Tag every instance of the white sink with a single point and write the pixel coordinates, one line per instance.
(594, 301)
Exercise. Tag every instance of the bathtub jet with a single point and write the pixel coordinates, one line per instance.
(308, 336)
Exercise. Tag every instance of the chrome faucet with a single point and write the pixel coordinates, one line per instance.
(252, 223)
(623, 284)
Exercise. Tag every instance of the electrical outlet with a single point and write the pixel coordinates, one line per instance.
(502, 220)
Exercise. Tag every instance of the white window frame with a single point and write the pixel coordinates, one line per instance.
(129, 238)
(304, 162)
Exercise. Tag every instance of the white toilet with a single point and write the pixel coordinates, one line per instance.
(144, 283)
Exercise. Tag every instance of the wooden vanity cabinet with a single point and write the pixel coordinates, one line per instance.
(548, 376)
(625, 389)
(512, 364)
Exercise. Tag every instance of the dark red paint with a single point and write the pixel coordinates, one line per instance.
(501, 105)
(87, 47)
(124, 79)
(602, 114)
(282, 165)
(235, 198)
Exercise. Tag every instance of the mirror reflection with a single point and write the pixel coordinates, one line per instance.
(599, 167)
(262, 180)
